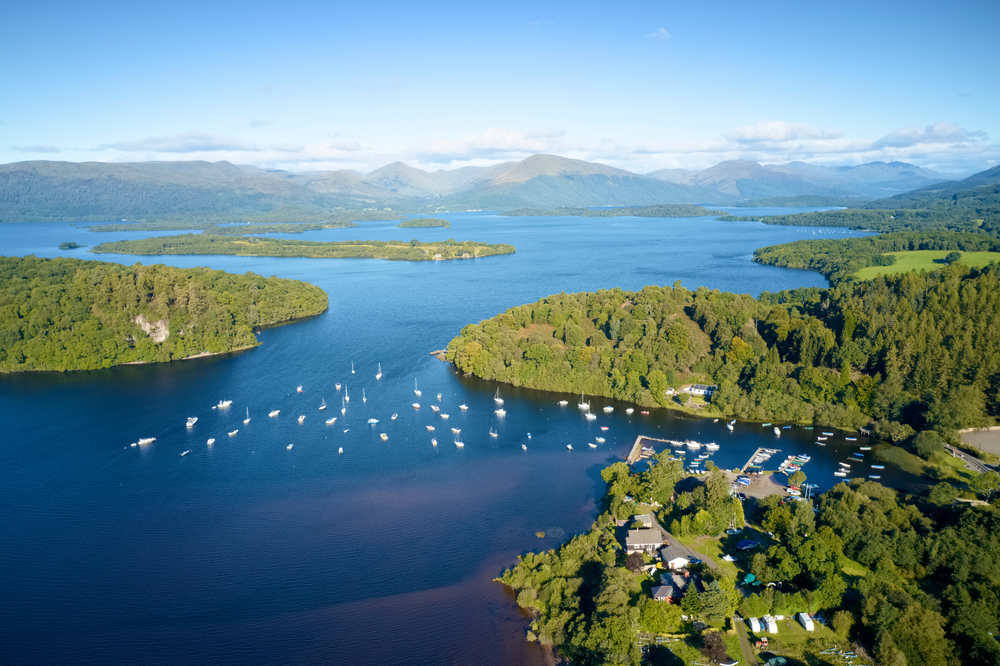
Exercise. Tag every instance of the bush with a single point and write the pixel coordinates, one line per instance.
(927, 443)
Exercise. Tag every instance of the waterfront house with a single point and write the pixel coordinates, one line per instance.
(701, 389)
(643, 541)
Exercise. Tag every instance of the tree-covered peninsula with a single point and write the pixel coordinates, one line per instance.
(420, 222)
(840, 259)
(69, 314)
(251, 246)
(910, 352)
(900, 579)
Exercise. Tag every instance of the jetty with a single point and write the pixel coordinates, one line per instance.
(637, 452)
(759, 453)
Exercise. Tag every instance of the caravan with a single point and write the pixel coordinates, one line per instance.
(806, 621)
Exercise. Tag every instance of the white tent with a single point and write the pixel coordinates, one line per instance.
(771, 624)
(755, 625)
(806, 621)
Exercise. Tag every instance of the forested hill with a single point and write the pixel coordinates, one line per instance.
(69, 314)
(912, 352)
(969, 205)
(839, 259)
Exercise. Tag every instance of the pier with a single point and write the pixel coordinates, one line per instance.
(754, 456)
(636, 453)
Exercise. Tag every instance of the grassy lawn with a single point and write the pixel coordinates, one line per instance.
(923, 260)
(901, 457)
(794, 642)
(709, 547)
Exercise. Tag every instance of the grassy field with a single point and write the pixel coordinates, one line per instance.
(924, 260)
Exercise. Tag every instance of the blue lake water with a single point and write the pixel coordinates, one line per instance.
(385, 554)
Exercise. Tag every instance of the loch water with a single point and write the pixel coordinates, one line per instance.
(250, 552)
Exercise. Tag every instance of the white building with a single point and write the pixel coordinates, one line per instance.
(806, 621)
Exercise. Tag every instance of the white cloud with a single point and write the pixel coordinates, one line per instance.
(938, 133)
(660, 35)
(494, 144)
(187, 142)
(255, 123)
(778, 131)
(35, 149)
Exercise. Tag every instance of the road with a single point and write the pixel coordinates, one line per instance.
(971, 462)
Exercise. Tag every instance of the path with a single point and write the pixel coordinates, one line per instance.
(971, 462)
(749, 657)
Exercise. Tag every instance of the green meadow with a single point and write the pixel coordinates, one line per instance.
(925, 260)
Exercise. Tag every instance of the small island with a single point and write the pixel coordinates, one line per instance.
(70, 245)
(70, 314)
(418, 222)
(252, 246)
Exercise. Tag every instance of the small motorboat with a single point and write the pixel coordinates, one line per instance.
(444, 416)
(274, 412)
(500, 412)
(184, 453)
(331, 421)
(416, 405)
(840, 473)
(340, 450)
(146, 440)
(211, 441)
(224, 404)
(435, 408)
(874, 476)
(395, 416)
(777, 432)
(604, 427)
(629, 411)
(524, 447)
(591, 416)
(609, 409)
(302, 417)
(232, 433)
(458, 430)
(439, 397)
(372, 421)
(463, 407)
(299, 389)
(191, 421)
(563, 403)
(569, 446)
(592, 445)
(384, 437)
(431, 428)
(599, 440)
(337, 385)
(644, 413)
(289, 447)
(434, 442)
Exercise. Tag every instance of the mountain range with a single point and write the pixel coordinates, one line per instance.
(94, 191)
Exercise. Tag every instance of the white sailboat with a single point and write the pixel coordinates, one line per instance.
(590, 416)
(493, 433)
(343, 407)
(352, 367)
(497, 399)
(363, 398)
(459, 443)
(247, 419)
(434, 442)
(322, 405)
(378, 375)
(582, 404)
(416, 390)
(347, 398)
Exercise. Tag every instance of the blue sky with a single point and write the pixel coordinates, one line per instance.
(313, 86)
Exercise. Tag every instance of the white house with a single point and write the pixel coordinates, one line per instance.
(643, 541)
(806, 621)
(674, 557)
(701, 389)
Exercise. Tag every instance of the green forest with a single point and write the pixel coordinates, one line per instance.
(69, 314)
(292, 224)
(252, 246)
(658, 210)
(419, 222)
(910, 352)
(908, 579)
(839, 259)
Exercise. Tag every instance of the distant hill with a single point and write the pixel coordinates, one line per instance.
(220, 191)
(98, 191)
(745, 180)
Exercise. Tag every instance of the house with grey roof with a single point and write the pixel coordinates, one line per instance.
(643, 541)
(674, 556)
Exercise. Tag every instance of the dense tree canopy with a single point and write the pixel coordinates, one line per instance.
(921, 351)
(68, 314)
